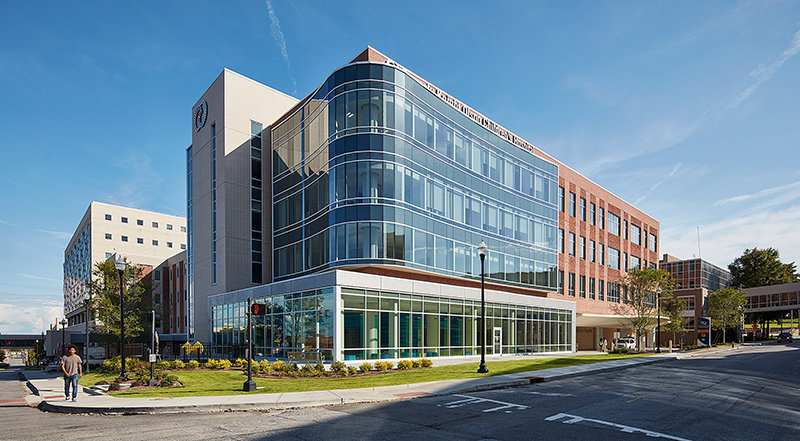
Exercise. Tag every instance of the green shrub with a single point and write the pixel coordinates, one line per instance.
(193, 364)
(266, 368)
(381, 366)
(339, 368)
(217, 364)
(142, 374)
(279, 366)
(254, 367)
(162, 364)
(177, 364)
(404, 364)
(620, 351)
(365, 367)
(164, 379)
(111, 365)
(426, 362)
(416, 363)
(240, 363)
(308, 370)
(351, 370)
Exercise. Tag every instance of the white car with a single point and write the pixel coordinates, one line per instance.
(626, 343)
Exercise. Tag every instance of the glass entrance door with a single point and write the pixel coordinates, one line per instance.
(498, 339)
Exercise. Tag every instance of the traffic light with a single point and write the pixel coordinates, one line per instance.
(258, 309)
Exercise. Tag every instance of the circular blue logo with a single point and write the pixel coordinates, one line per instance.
(200, 115)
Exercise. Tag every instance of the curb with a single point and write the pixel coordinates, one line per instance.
(209, 408)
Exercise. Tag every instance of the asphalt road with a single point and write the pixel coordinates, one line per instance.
(749, 394)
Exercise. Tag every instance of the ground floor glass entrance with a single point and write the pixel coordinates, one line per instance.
(397, 325)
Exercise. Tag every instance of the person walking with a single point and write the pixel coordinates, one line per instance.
(72, 366)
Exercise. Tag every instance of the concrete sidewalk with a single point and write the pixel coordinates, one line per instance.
(49, 390)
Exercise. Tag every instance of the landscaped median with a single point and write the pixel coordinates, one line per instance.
(205, 382)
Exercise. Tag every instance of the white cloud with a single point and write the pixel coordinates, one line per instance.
(56, 234)
(7, 223)
(763, 73)
(661, 181)
(721, 242)
(27, 319)
(280, 40)
(29, 276)
(760, 194)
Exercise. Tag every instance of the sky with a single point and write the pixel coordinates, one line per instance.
(689, 110)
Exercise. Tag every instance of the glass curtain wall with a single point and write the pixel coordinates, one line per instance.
(294, 322)
(375, 169)
(384, 324)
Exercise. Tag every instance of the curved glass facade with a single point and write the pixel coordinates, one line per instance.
(374, 169)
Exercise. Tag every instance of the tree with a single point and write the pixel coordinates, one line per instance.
(641, 286)
(104, 288)
(726, 308)
(761, 268)
(673, 308)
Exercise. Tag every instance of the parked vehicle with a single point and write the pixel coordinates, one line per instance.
(53, 366)
(785, 337)
(626, 343)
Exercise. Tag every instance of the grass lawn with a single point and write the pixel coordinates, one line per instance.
(205, 383)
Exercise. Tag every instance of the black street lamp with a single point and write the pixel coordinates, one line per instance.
(249, 385)
(63, 332)
(88, 301)
(482, 249)
(119, 264)
(658, 326)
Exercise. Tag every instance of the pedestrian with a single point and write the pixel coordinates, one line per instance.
(605, 345)
(72, 366)
(600, 344)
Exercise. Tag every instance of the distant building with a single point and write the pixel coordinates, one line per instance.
(695, 273)
(171, 303)
(774, 303)
(144, 238)
(695, 279)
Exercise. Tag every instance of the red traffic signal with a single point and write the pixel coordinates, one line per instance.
(258, 309)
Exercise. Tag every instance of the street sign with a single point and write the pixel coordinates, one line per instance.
(153, 358)
(704, 331)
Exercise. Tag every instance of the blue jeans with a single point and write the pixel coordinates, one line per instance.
(73, 380)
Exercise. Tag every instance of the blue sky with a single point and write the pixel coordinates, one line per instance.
(687, 109)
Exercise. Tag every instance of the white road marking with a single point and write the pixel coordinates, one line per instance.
(468, 400)
(573, 419)
(552, 394)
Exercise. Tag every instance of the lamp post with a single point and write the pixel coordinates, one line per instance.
(119, 264)
(482, 249)
(658, 318)
(249, 385)
(88, 300)
(63, 332)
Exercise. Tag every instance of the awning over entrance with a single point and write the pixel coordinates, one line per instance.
(603, 320)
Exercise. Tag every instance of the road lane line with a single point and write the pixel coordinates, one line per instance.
(631, 401)
(574, 419)
(552, 394)
(467, 399)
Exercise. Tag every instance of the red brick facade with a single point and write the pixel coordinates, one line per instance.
(582, 187)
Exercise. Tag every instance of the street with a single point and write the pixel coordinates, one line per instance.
(752, 393)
